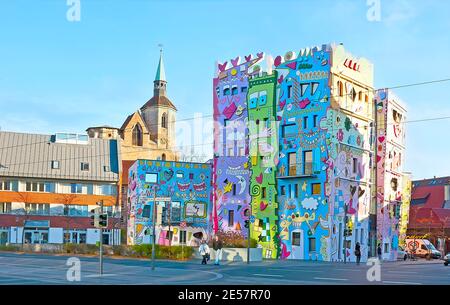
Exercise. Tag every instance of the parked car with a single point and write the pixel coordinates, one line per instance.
(447, 259)
(402, 254)
(422, 248)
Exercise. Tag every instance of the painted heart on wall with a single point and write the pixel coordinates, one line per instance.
(259, 179)
(229, 111)
(235, 61)
(248, 57)
(223, 66)
(263, 206)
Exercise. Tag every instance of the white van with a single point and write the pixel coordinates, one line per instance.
(421, 248)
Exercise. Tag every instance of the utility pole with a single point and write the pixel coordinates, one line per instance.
(101, 240)
(345, 233)
(248, 232)
(375, 172)
(154, 225)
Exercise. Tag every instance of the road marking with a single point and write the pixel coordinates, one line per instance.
(329, 279)
(401, 283)
(271, 275)
(352, 270)
(297, 270)
(403, 272)
(100, 275)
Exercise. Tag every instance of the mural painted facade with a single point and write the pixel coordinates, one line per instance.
(391, 115)
(231, 166)
(263, 141)
(183, 196)
(318, 179)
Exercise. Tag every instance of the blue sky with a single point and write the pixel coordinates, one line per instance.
(57, 75)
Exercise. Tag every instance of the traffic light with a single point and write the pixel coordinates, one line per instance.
(103, 220)
(95, 217)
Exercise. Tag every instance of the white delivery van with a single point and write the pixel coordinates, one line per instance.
(421, 248)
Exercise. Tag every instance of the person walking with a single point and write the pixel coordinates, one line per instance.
(217, 246)
(204, 252)
(379, 252)
(358, 253)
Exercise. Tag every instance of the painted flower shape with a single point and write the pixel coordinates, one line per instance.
(340, 135)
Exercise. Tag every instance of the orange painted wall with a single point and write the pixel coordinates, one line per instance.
(80, 199)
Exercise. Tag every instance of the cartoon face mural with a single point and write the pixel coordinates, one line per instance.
(183, 195)
(263, 159)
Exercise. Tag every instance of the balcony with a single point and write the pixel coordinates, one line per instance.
(300, 170)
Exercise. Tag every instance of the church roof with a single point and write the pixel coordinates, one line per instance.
(160, 100)
(160, 72)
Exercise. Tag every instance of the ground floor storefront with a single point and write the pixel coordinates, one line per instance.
(54, 230)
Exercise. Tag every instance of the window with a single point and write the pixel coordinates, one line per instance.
(303, 88)
(230, 218)
(283, 190)
(243, 89)
(84, 166)
(151, 178)
(226, 90)
(5, 207)
(360, 96)
(312, 244)
(107, 189)
(182, 237)
(55, 164)
(296, 190)
(386, 248)
(37, 209)
(308, 161)
(218, 91)
(137, 135)
(8, 185)
(289, 91)
(35, 187)
(191, 176)
(76, 210)
(315, 120)
(180, 175)
(314, 87)
(106, 168)
(355, 165)
(263, 193)
(366, 98)
(288, 131)
(296, 239)
(164, 121)
(176, 211)
(292, 157)
(234, 90)
(340, 88)
(316, 188)
(234, 189)
(163, 157)
(76, 188)
(305, 122)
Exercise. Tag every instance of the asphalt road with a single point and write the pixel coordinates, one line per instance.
(51, 269)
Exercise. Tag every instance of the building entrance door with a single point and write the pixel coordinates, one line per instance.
(297, 244)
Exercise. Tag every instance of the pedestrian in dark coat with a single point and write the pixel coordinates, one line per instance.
(358, 253)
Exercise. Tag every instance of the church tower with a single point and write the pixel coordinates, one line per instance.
(159, 113)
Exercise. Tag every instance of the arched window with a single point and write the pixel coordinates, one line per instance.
(164, 121)
(137, 135)
(163, 157)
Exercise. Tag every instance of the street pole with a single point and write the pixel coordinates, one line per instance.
(154, 225)
(248, 234)
(345, 235)
(101, 241)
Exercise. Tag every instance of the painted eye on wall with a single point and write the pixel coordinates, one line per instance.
(253, 103)
(262, 100)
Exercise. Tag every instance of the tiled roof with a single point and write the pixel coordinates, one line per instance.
(160, 100)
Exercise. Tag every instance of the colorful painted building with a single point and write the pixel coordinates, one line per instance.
(231, 164)
(322, 119)
(182, 192)
(391, 115)
(263, 141)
